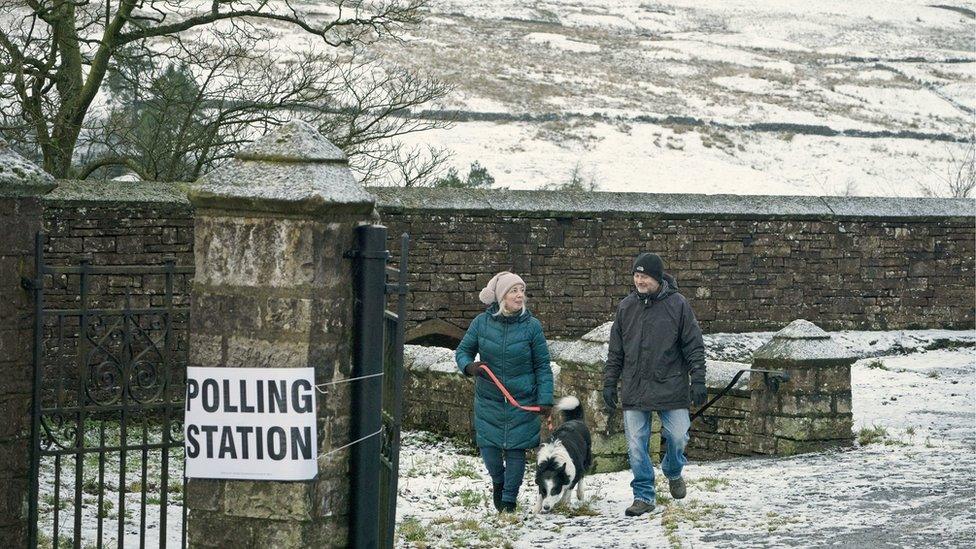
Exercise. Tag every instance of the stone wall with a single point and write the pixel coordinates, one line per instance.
(118, 223)
(21, 186)
(438, 398)
(731, 435)
(745, 263)
(21, 218)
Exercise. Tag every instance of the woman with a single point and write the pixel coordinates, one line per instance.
(509, 340)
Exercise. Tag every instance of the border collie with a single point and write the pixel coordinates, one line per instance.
(563, 460)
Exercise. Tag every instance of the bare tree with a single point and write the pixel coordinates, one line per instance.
(167, 88)
(577, 182)
(957, 178)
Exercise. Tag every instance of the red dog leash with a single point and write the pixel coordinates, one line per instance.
(508, 396)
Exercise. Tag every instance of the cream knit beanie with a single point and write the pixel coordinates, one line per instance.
(498, 286)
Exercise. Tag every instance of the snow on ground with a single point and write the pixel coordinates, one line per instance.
(908, 482)
(630, 157)
(133, 487)
(911, 482)
(560, 42)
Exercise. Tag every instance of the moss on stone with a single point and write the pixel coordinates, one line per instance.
(107, 193)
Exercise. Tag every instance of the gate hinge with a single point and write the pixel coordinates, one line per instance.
(352, 254)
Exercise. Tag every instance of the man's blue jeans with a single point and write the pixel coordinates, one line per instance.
(637, 426)
(508, 473)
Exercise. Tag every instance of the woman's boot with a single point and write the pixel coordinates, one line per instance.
(496, 495)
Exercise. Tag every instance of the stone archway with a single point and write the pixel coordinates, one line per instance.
(435, 332)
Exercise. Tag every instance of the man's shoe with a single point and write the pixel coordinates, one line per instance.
(639, 508)
(678, 487)
(496, 495)
(507, 507)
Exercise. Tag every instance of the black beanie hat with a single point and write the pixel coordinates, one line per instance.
(649, 264)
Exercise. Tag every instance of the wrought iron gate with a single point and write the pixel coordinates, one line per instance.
(393, 330)
(107, 412)
(378, 392)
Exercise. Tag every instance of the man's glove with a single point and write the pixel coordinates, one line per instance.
(610, 396)
(699, 394)
(474, 369)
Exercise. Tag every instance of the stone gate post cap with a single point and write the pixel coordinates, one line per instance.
(296, 141)
(21, 177)
(293, 170)
(802, 341)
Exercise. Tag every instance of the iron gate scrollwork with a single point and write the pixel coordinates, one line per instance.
(108, 395)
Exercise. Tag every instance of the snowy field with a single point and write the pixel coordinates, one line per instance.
(739, 97)
(777, 97)
(910, 480)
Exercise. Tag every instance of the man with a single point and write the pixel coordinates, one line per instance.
(655, 347)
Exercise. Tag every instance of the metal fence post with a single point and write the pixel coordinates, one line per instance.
(370, 283)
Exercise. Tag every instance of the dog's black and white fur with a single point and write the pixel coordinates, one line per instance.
(563, 460)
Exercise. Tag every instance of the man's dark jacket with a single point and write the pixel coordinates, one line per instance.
(655, 345)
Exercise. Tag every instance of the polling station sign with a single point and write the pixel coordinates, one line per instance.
(250, 423)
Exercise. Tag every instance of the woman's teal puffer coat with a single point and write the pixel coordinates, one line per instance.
(516, 351)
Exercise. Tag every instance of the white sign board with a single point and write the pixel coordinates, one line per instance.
(250, 423)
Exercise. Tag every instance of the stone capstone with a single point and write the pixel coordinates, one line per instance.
(20, 177)
(802, 341)
(294, 170)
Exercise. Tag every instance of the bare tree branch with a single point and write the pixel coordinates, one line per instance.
(192, 82)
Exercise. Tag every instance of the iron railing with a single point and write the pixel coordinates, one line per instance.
(108, 393)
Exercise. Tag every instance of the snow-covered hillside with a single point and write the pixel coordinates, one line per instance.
(742, 97)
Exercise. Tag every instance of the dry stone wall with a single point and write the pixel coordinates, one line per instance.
(745, 263)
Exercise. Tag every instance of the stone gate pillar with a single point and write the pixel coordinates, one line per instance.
(811, 411)
(272, 289)
(22, 185)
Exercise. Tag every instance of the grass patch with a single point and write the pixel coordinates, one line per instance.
(90, 486)
(419, 467)
(775, 521)
(583, 508)
(711, 484)
(871, 435)
(695, 513)
(469, 499)
(107, 507)
(877, 364)
(508, 519)
(462, 469)
(411, 529)
(669, 521)
(49, 501)
(471, 528)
